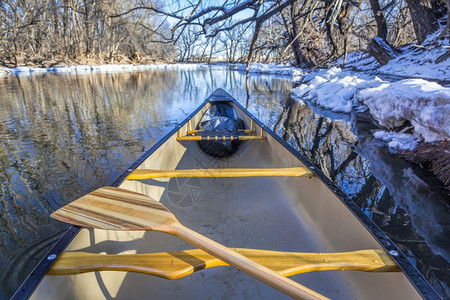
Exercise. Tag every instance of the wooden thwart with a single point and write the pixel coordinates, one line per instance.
(221, 138)
(235, 172)
(249, 131)
(175, 265)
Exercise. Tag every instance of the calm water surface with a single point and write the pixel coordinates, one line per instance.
(62, 136)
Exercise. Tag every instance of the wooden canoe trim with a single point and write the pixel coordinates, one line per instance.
(249, 131)
(178, 264)
(221, 138)
(235, 172)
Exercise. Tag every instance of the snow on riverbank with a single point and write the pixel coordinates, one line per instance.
(426, 105)
(333, 89)
(272, 68)
(83, 69)
(428, 61)
(396, 140)
(257, 68)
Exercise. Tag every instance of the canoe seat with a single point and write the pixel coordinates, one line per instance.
(221, 138)
(175, 265)
(235, 172)
(226, 135)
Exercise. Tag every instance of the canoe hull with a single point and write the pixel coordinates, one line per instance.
(300, 214)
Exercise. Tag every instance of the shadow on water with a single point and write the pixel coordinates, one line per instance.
(62, 136)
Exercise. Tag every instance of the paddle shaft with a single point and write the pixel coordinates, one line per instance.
(248, 266)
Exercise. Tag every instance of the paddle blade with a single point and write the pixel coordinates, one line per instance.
(116, 209)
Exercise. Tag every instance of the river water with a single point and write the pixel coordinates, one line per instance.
(62, 136)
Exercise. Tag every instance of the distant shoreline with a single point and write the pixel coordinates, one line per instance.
(84, 69)
(260, 68)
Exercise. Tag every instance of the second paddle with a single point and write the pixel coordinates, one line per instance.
(119, 209)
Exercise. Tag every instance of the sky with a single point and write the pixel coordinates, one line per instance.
(176, 5)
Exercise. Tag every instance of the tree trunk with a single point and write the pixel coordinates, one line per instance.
(381, 50)
(379, 47)
(382, 29)
(423, 18)
(447, 29)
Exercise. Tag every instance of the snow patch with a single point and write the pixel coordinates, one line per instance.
(397, 141)
(426, 105)
(333, 89)
(271, 68)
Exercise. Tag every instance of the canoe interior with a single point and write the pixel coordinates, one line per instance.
(274, 213)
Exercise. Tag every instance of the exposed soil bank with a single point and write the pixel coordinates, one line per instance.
(434, 157)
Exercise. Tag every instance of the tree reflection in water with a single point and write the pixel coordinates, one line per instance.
(62, 136)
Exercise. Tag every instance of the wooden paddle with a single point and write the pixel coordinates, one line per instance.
(119, 209)
(178, 264)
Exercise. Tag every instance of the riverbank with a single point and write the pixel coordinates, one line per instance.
(83, 69)
(408, 100)
(410, 113)
(256, 68)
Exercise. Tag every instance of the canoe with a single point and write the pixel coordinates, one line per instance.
(262, 200)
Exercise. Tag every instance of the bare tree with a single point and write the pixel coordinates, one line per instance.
(45, 32)
(312, 32)
(212, 19)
